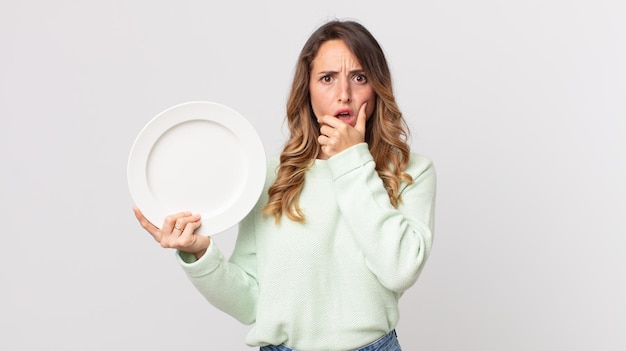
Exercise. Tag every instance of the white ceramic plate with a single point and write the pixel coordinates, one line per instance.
(201, 157)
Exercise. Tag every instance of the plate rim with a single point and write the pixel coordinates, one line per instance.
(244, 130)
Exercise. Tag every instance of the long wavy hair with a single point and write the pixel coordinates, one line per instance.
(386, 131)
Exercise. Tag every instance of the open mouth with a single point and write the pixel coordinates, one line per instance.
(345, 116)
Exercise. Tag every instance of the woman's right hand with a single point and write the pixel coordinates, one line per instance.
(177, 232)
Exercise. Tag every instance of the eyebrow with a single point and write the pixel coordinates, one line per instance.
(355, 71)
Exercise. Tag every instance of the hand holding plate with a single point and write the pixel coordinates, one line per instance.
(177, 232)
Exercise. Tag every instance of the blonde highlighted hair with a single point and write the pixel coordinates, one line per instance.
(386, 132)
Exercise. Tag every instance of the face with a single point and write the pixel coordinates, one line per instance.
(338, 85)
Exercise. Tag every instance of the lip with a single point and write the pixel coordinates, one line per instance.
(347, 117)
(344, 110)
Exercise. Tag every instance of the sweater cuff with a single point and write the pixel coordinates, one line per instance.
(202, 266)
(349, 159)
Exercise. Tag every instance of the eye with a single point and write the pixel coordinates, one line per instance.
(360, 78)
(326, 79)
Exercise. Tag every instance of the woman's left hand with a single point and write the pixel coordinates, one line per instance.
(336, 135)
(177, 232)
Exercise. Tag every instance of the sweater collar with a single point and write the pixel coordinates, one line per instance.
(319, 169)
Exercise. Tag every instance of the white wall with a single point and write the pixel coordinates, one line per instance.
(521, 105)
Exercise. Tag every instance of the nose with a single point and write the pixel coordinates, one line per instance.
(344, 91)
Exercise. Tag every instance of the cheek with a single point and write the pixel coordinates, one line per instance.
(367, 94)
(313, 97)
(320, 101)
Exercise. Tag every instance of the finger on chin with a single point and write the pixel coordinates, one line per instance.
(361, 118)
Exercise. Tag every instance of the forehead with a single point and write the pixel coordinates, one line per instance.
(335, 52)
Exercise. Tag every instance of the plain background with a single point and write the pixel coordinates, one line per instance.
(521, 105)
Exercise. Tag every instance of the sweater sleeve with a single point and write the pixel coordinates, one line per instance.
(229, 285)
(395, 242)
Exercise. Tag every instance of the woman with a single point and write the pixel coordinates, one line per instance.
(346, 223)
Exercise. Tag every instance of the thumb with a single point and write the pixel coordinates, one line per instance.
(361, 119)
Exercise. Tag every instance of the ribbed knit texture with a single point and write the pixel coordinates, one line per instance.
(333, 282)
